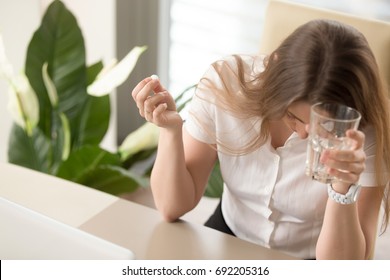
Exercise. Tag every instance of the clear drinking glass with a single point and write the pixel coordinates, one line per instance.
(328, 125)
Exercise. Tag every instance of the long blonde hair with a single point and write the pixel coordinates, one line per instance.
(321, 61)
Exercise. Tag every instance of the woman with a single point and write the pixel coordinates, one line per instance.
(252, 114)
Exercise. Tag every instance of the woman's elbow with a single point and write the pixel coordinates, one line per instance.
(169, 217)
(168, 213)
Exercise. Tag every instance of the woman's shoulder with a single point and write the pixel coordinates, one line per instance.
(249, 62)
(227, 68)
(222, 82)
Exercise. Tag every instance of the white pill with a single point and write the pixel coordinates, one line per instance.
(154, 77)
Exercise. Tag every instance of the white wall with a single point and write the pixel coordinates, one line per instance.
(18, 21)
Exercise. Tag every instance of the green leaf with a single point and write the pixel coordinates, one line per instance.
(83, 160)
(60, 43)
(184, 97)
(93, 70)
(94, 122)
(215, 184)
(140, 157)
(96, 168)
(31, 152)
(59, 141)
(113, 179)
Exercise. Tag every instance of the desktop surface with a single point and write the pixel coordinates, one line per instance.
(126, 224)
(142, 229)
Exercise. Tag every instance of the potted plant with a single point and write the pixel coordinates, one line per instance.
(61, 110)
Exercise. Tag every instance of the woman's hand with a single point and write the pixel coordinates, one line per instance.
(346, 165)
(155, 103)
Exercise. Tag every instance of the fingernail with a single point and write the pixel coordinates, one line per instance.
(154, 77)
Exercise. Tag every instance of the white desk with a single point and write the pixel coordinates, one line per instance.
(133, 226)
(60, 199)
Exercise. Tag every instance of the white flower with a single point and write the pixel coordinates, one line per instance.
(50, 87)
(109, 79)
(143, 138)
(6, 68)
(23, 103)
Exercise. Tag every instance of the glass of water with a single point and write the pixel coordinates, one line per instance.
(329, 123)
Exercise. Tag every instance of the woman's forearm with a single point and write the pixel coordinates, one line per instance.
(172, 185)
(341, 235)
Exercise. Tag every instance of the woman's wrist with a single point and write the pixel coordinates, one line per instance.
(350, 197)
(341, 187)
(174, 131)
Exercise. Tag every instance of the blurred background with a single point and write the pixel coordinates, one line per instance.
(183, 38)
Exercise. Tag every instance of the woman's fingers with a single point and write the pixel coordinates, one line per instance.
(357, 139)
(355, 167)
(342, 176)
(155, 103)
(157, 115)
(347, 165)
(139, 86)
(143, 92)
(156, 86)
(152, 101)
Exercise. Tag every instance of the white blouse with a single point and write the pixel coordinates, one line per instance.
(267, 197)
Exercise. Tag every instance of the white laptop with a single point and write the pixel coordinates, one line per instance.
(27, 235)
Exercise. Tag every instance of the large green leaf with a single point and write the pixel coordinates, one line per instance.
(185, 97)
(60, 43)
(96, 117)
(94, 167)
(94, 122)
(93, 70)
(140, 156)
(215, 184)
(113, 179)
(83, 160)
(30, 152)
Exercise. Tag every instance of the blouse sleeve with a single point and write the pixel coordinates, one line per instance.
(200, 121)
(209, 119)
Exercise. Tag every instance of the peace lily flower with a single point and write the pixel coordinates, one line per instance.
(143, 138)
(53, 97)
(114, 75)
(6, 69)
(22, 102)
(50, 87)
